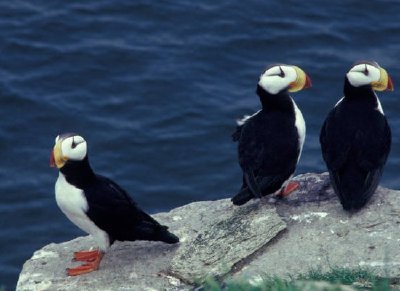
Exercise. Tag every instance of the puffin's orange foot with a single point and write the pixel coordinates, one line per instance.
(90, 266)
(86, 256)
(290, 187)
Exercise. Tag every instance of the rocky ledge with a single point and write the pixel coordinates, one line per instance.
(268, 237)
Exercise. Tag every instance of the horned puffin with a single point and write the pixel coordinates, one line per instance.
(355, 137)
(271, 140)
(97, 205)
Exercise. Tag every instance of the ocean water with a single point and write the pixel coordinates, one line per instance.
(155, 87)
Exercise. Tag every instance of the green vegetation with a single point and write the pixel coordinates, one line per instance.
(343, 276)
(269, 284)
(359, 279)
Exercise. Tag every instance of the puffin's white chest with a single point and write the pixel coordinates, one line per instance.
(300, 125)
(379, 106)
(71, 200)
(73, 204)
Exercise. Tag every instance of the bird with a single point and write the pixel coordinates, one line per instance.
(271, 140)
(355, 138)
(97, 205)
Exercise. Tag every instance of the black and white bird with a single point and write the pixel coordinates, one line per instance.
(271, 140)
(355, 137)
(97, 205)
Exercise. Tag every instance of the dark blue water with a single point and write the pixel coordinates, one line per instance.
(155, 87)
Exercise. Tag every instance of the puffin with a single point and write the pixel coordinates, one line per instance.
(355, 137)
(97, 205)
(271, 140)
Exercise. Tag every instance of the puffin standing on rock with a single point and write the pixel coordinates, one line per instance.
(97, 205)
(355, 138)
(271, 140)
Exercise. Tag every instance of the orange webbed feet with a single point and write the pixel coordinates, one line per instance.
(289, 188)
(92, 259)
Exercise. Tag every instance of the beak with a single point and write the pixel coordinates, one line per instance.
(385, 83)
(390, 86)
(302, 82)
(56, 157)
(52, 160)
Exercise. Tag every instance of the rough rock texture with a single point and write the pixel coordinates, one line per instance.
(214, 235)
(321, 235)
(220, 239)
(224, 242)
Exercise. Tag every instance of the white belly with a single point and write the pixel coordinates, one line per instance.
(73, 204)
(301, 127)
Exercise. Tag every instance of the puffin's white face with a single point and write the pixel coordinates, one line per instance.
(282, 77)
(369, 73)
(70, 147)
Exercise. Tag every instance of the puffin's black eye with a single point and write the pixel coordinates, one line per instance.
(282, 73)
(74, 144)
(366, 72)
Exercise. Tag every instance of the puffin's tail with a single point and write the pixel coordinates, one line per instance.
(154, 231)
(242, 197)
(355, 188)
(167, 237)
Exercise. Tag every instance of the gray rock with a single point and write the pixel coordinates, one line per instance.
(232, 242)
(128, 266)
(321, 235)
(230, 238)
(217, 230)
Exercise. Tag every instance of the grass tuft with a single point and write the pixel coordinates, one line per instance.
(361, 279)
(272, 284)
(340, 275)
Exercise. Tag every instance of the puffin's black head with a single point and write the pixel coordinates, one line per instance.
(278, 78)
(68, 148)
(368, 75)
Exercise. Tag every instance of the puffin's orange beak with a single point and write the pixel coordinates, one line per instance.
(390, 86)
(57, 159)
(302, 81)
(52, 159)
(385, 83)
(308, 83)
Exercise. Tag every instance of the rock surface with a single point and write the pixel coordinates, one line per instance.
(213, 236)
(248, 242)
(227, 239)
(321, 235)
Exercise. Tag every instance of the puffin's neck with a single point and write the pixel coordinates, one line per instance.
(362, 93)
(279, 101)
(78, 173)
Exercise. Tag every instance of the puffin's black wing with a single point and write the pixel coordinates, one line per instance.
(375, 155)
(268, 152)
(238, 132)
(334, 145)
(266, 184)
(112, 210)
(355, 156)
(240, 124)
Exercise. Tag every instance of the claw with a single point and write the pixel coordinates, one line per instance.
(289, 188)
(86, 256)
(92, 259)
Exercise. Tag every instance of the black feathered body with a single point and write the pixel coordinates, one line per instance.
(102, 208)
(355, 140)
(269, 144)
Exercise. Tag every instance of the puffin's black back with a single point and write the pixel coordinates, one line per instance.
(111, 208)
(268, 144)
(355, 141)
(114, 211)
